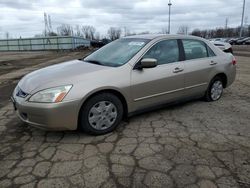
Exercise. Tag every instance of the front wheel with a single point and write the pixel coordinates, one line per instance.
(215, 90)
(101, 114)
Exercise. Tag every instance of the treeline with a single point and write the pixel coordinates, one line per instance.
(221, 32)
(89, 32)
(86, 31)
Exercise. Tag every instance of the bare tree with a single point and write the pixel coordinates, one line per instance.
(221, 32)
(114, 33)
(164, 30)
(131, 33)
(78, 31)
(65, 30)
(52, 33)
(143, 33)
(126, 31)
(196, 32)
(97, 36)
(88, 32)
(183, 30)
(7, 35)
(39, 35)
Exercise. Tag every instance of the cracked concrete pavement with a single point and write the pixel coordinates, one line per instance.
(194, 144)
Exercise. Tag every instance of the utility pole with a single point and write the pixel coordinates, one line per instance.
(45, 24)
(49, 24)
(169, 14)
(125, 31)
(242, 18)
(226, 26)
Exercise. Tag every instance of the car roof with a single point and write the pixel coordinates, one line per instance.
(155, 36)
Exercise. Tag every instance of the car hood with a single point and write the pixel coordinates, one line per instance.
(57, 75)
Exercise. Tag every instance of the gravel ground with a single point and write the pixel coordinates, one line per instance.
(194, 144)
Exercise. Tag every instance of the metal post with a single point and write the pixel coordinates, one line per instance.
(45, 24)
(30, 45)
(8, 47)
(57, 43)
(242, 18)
(18, 43)
(169, 14)
(43, 44)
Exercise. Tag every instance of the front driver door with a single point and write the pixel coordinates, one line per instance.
(163, 83)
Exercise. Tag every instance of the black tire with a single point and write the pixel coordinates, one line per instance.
(84, 123)
(208, 95)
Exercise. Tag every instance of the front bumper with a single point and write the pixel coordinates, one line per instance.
(49, 116)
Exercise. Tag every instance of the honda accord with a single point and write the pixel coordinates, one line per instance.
(124, 77)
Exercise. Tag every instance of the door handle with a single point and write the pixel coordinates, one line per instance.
(177, 69)
(213, 63)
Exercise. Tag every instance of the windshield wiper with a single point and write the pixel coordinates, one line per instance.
(94, 62)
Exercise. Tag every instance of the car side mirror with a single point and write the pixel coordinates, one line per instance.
(147, 63)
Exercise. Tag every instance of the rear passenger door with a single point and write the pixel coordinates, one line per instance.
(199, 62)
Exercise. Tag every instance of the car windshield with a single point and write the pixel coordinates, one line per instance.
(117, 53)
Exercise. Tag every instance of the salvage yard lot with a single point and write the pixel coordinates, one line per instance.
(194, 144)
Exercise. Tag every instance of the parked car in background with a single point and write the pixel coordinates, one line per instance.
(247, 42)
(120, 79)
(242, 41)
(216, 39)
(224, 46)
(99, 43)
(233, 41)
(219, 39)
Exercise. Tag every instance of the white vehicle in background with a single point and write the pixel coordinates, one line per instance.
(224, 46)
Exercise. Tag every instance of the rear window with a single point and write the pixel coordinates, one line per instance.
(210, 52)
(194, 49)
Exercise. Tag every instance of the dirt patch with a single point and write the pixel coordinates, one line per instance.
(10, 62)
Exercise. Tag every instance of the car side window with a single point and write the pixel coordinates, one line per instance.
(194, 49)
(166, 51)
(210, 52)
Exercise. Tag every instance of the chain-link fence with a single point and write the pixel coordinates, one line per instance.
(43, 43)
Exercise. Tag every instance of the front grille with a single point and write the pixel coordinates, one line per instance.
(21, 93)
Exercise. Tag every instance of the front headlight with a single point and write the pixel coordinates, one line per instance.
(52, 95)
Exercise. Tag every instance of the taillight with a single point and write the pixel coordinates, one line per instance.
(234, 62)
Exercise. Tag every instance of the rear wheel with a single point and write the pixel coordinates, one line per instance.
(101, 114)
(215, 89)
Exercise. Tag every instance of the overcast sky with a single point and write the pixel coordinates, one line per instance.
(25, 17)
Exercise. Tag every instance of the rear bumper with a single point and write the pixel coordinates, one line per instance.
(48, 116)
(231, 75)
